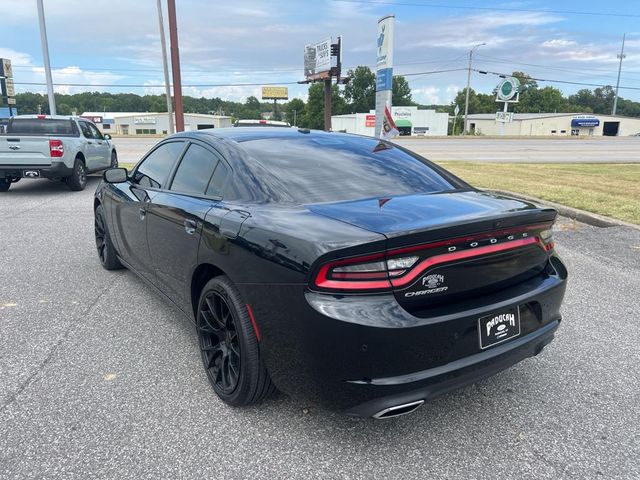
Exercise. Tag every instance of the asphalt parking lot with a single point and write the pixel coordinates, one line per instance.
(99, 378)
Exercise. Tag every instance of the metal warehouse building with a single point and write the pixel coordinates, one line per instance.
(151, 123)
(409, 120)
(562, 124)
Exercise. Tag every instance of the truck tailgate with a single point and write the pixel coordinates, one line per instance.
(24, 150)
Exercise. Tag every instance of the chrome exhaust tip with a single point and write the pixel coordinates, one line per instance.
(398, 410)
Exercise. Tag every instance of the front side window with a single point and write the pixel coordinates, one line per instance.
(194, 171)
(86, 130)
(154, 170)
(95, 133)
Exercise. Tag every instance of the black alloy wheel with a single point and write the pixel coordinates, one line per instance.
(219, 343)
(229, 345)
(106, 250)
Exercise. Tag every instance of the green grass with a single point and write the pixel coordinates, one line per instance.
(607, 189)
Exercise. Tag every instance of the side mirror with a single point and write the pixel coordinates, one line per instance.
(115, 175)
(107, 136)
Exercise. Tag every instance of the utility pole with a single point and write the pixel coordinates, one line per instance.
(167, 86)
(466, 102)
(621, 57)
(327, 104)
(45, 57)
(175, 65)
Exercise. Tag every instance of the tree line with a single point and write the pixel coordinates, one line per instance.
(357, 96)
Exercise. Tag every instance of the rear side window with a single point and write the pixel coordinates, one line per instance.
(217, 183)
(330, 167)
(194, 171)
(41, 126)
(154, 170)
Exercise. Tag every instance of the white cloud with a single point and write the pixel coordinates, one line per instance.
(426, 95)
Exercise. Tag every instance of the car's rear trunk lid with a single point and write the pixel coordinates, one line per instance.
(461, 243)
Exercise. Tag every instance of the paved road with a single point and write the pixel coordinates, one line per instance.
(99, 378)
(595, 150)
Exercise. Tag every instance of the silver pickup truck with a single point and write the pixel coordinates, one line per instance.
(54, 147)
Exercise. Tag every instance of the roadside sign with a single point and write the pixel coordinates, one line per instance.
(370, 121)
(6, 70)
(275, 93)
(9, 87)
(504, 117)
(317, 59)
(456, 110)
(508, 90)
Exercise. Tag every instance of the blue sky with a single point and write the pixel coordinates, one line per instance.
(221, 42)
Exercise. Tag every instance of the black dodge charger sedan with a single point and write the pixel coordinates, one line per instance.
(343, 270)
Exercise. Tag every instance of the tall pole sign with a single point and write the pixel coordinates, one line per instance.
(508, 92)
(7, 90)
(384, 69)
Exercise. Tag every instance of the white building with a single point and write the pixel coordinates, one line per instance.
(151, 123)
(561, 124)
(409, 120)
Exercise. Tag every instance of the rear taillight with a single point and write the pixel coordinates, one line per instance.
(400, 267)
(546, 237)
(56, 148)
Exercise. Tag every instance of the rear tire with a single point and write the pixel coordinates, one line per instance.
(4, 185)
(229, 347)
(78, 179)
(114, 159)
(106, 250)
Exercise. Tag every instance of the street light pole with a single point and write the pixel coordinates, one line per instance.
(466, 101)
(167, 86)
(45, 57)
(621, 57)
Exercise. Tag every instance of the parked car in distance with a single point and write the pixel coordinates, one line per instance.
(343, 270)
(261, 123)
(54, 147)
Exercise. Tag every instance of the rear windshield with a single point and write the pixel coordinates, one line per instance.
(329, 168)
(41, 126)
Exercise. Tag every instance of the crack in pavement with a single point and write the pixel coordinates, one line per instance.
(12, 397)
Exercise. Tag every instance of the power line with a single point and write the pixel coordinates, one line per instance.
(497, 9)
(554, 81)
(209, 85)
(238, 70)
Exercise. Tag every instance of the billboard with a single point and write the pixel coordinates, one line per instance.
(275, 93)
(384, 68)
(317, 60)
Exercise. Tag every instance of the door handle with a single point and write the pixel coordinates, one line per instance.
(190, 226)
(89, 141)
(142, 211)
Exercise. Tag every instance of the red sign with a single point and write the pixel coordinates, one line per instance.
(370, 121)
(93, 119)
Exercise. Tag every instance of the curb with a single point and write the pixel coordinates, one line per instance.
(589, 218)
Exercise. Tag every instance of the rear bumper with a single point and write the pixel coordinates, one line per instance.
(428, 384)
(55, 170)
(362, 354)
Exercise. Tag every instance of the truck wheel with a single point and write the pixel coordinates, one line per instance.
(114, 159)
(4, 185)
(78, 179)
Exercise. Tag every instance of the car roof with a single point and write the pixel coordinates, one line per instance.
(246, 134)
